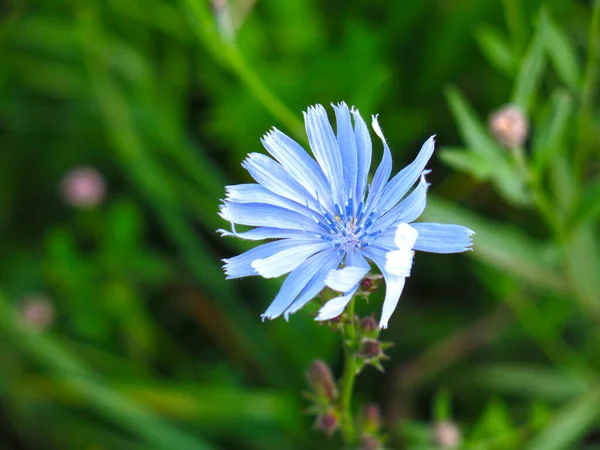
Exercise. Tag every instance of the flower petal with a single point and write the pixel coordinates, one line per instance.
(287, 260)
(382, 174)
(364, 152)
(299, 165)
(241, 265)
(442, 238)
(398, 186)
(408, 209)
(347, 145)
(393, 285)
(405, 236)
(258, 234)
(325, 148)
(335, 306)
(346, 278)
(258, 214)
(393, 290)
(255, 193)
(298, 280)
(314, 286)
(274, 177)
(399, 262)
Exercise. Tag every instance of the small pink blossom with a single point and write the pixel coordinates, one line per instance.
(83, 187)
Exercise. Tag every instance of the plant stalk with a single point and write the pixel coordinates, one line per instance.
(348, 378)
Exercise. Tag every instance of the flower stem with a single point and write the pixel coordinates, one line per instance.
(348, 378)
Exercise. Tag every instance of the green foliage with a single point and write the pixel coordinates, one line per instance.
(149, 346)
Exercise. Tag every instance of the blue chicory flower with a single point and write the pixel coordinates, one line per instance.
(327, 220)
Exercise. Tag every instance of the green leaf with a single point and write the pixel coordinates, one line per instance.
(550, 137)
(467, 161)
(494, 425)
(583, 264)
(531, 70)
(473, 132)
(587, 209)
(562, 55)
(570, 424)
(496, 50)
(532, 381)
(501, 246)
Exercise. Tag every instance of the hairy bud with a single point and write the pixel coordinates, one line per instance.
(328, 423)
(509, 125)
(321, 380)
(370, 349)
(369, 325)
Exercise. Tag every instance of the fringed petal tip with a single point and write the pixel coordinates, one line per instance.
(376, 127)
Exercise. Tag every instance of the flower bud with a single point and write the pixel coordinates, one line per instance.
(83, 187)
(328, 423)
(370, 443)
(321, 380)
(366, 284)
(369, 325)
(446, 435)
(509, 125)
(372, 418)
(37, 311)
(370, 349)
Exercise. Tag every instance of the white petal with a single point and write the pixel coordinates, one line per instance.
(399, 262)
(406, 236)
(334, 307)
(346, 278)
(393, 290)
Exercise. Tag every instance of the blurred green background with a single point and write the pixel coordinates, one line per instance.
(122, 121)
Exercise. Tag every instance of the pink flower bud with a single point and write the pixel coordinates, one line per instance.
(372, 418)
(36, 311)
(509, 125)
(83, 187)
(328, 423)
(446, 435)
(321, 380)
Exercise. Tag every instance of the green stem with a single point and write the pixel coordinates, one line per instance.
(348, 378)
(227, 54)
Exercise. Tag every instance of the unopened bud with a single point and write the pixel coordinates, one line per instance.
(83, 187)
(321, 380)
(366, 284)
(509, 125)
(370, 349)
(369, 324)
(372, 418)
(328, 423)
(37, 311)
(446, 435)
